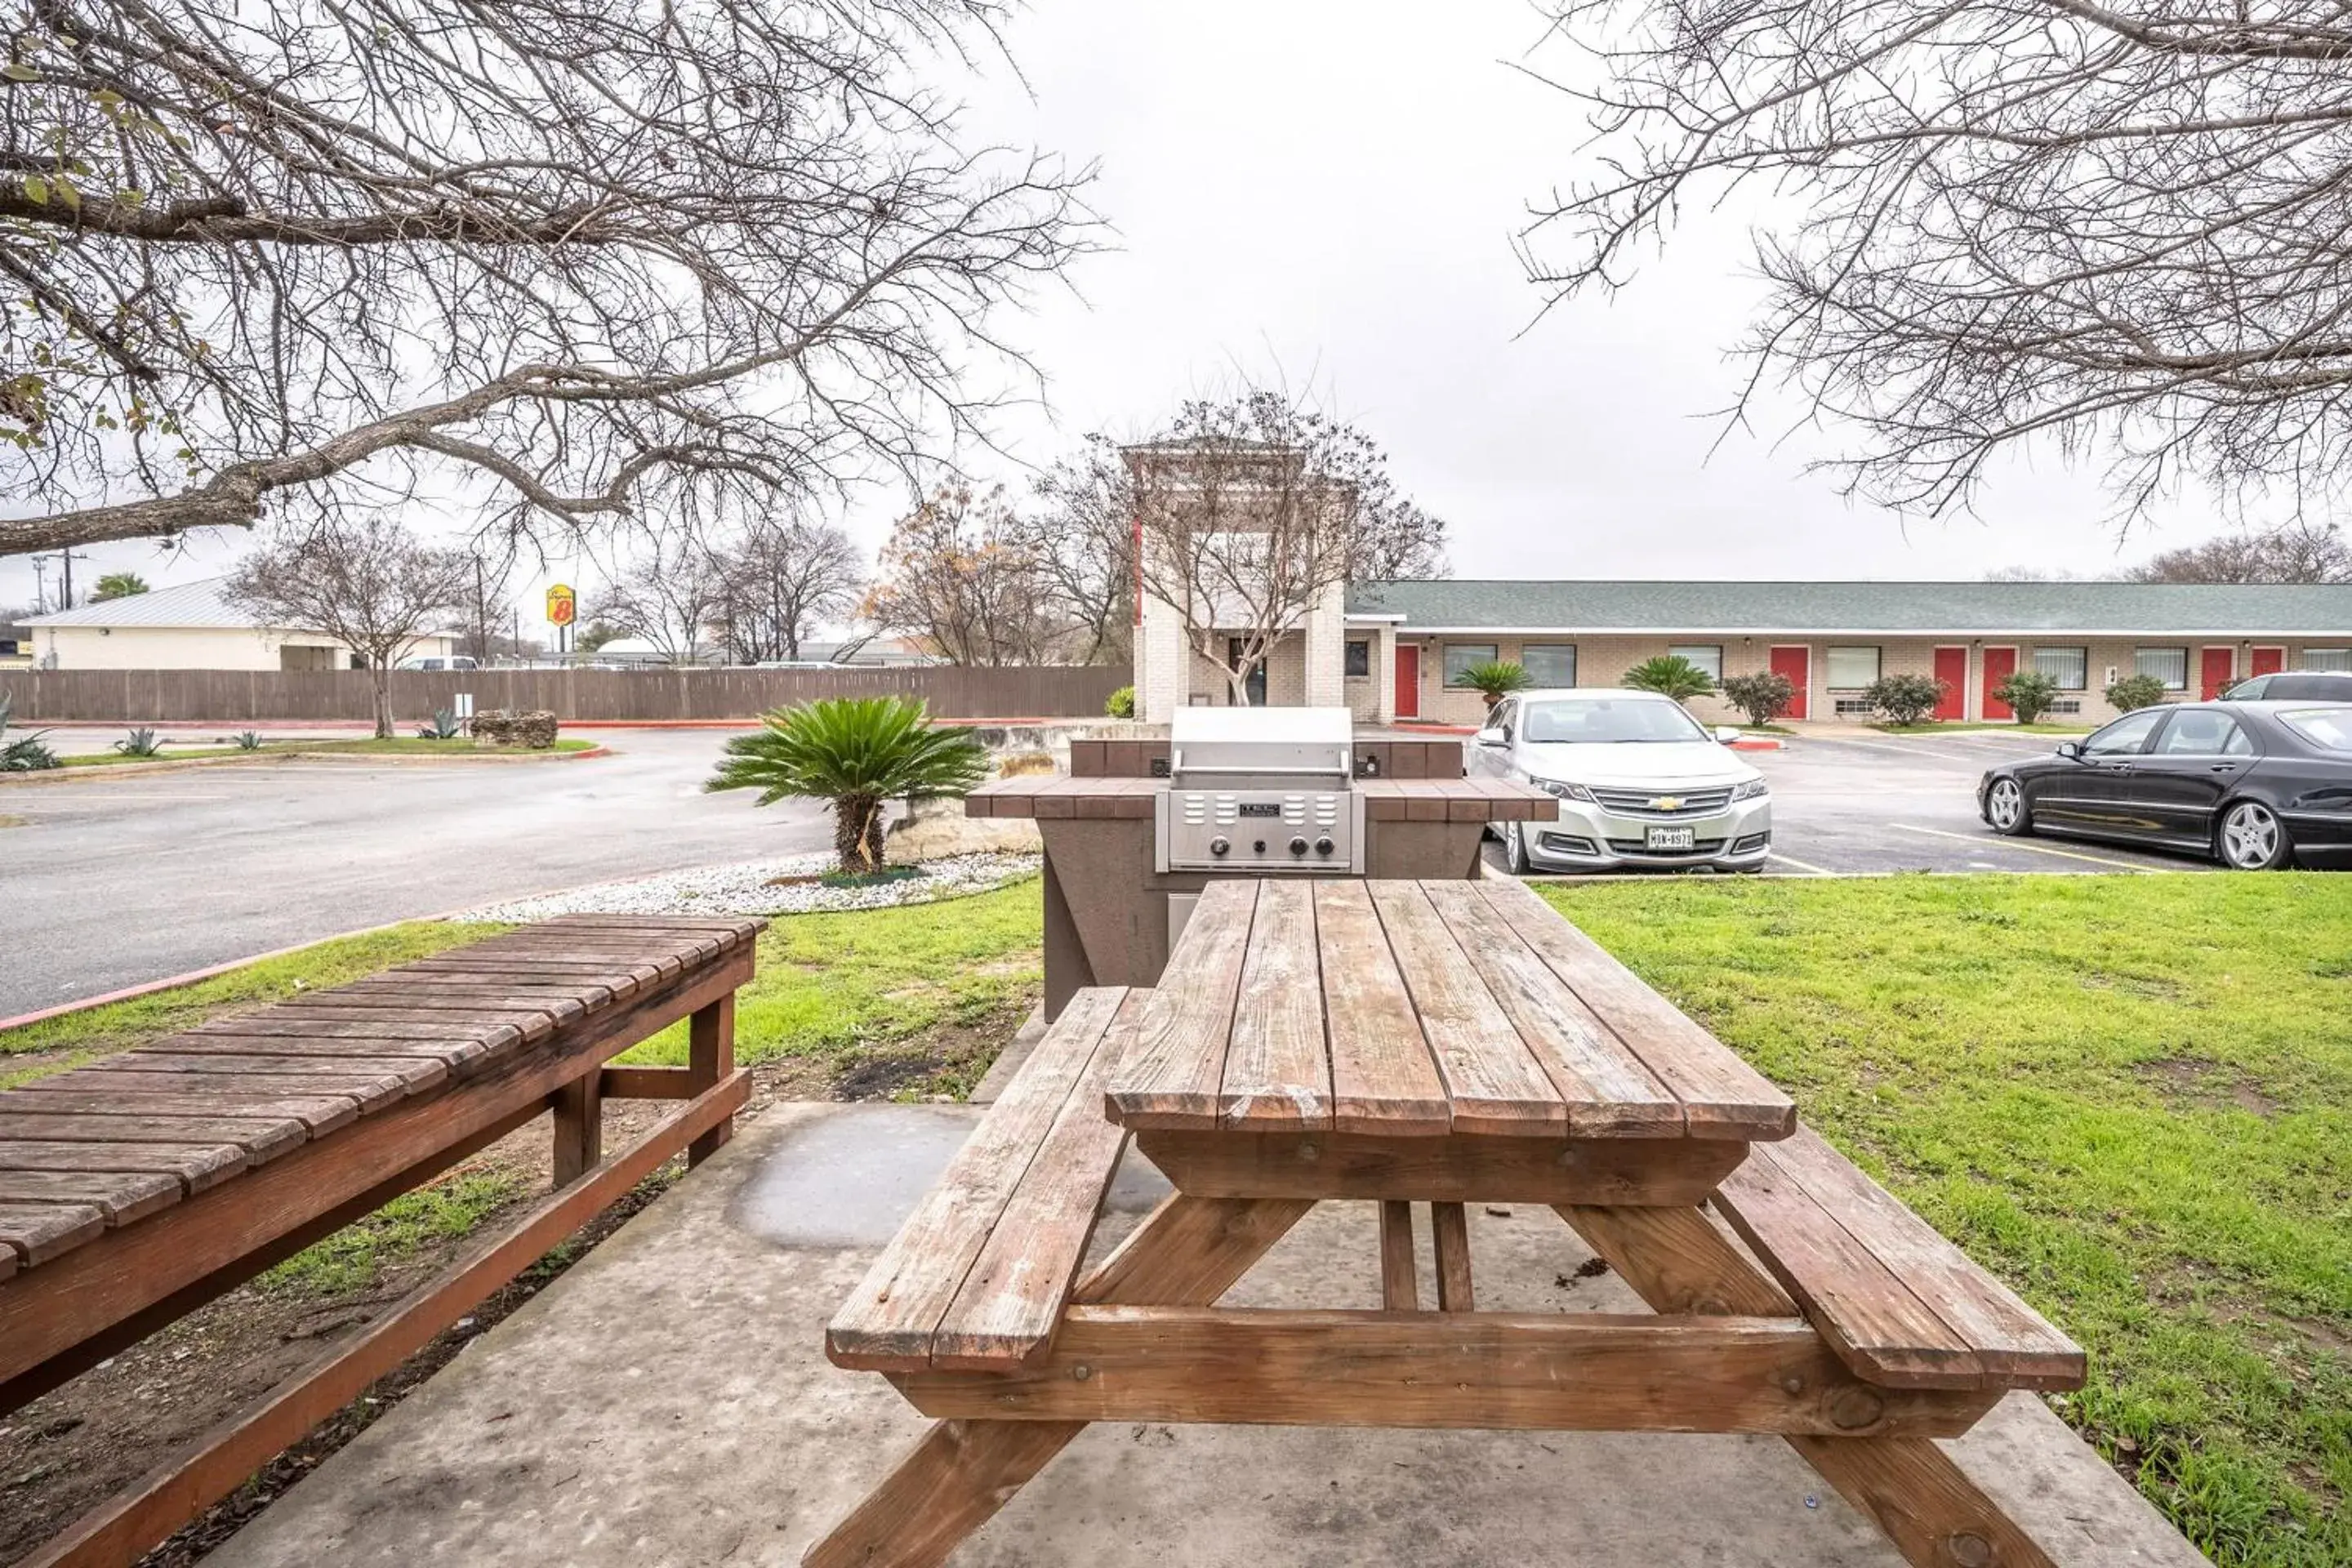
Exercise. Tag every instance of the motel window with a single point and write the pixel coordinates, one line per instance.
(1461, 656)
(1707, 656)
(1851, 669)
(2327, 659)
(1550, 664)
(2170, 665)
(1360, 657)
(2069, 666)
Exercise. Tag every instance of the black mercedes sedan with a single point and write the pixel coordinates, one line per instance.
(2256, 786)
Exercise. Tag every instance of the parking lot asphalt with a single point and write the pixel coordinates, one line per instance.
(106, 882)
(1852, 805)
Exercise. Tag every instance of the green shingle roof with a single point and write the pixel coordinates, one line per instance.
(1946, 608)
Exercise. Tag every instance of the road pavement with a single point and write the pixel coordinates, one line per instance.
(110, 882)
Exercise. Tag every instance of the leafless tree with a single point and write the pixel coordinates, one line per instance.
(2119, 225)
(668, 595)
(2296, 554)
(957, 575)
(2030, 574)
(591, 258)
(1080, 529)
(1251, 508)
(364, 581)
(781, 582)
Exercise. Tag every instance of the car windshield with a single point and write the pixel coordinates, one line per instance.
(2329, 728)
(1589, 721)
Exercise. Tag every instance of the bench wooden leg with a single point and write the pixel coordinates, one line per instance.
(1188, 1252)
(1449, 1225)
(579, 1127)
(1677, 1261)
(1399, 1287)
(710, 1046)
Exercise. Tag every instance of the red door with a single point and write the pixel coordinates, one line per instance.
(1999, 664)
(1408, 680)
(1952, 675)
(2268, 661)
(2220, 667)
(1796, 662)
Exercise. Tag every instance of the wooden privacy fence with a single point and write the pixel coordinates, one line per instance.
(261, 696)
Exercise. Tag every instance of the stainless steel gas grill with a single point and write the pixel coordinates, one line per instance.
(1260, 791)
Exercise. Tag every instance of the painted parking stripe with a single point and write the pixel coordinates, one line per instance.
(2030, 848)
(1803, 865)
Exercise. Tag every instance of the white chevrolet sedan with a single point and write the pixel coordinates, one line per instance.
(1640, 784)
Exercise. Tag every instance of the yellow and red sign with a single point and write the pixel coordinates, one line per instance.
(563, 606)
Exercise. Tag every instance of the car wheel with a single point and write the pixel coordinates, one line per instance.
(2006, 809)
(2252, 838)
(1514, 849)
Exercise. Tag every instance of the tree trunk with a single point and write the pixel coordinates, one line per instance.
(380, 671)
(858, 833)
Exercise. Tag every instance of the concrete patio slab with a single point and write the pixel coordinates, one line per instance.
(667, 1401)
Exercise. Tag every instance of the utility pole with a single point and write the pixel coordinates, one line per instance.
(40, 585)
(67, 555)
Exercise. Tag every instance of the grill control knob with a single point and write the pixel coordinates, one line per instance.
(1324, 846)
(1219, 845)
(1299, 846)
(1258, 847)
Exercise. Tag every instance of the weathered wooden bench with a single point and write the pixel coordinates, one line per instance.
(1844, 1323)
(137, 1188)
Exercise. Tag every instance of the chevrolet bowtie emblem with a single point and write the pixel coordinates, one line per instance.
(1665, 803)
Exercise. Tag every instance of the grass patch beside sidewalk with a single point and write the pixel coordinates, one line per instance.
(2130, 1097)
(889, 1003)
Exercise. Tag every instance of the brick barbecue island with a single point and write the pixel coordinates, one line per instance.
(1113, 907)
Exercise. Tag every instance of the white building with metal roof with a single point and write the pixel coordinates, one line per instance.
(192, 626)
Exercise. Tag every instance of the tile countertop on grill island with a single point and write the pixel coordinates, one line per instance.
(1385, 800)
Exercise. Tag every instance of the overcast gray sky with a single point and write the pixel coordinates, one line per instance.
(1327, 190)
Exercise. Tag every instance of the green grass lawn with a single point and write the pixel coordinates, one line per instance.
(936, 989)
(2130, 1097)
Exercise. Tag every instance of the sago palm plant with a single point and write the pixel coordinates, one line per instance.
(857, 753)
(1496, 680)
(1671, 675)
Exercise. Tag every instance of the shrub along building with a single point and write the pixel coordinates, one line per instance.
(1396, 651)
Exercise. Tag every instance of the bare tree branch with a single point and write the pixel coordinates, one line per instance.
(606, 256)
(2127, 228)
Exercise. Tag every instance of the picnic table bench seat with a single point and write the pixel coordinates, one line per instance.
(978, 1275)
(136, 1188)
(1899, 1304)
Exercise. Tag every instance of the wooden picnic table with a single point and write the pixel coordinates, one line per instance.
(1443, 1043)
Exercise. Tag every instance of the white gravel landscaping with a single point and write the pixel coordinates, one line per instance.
(749, 888)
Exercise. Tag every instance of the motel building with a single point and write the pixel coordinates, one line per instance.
(1395, 651)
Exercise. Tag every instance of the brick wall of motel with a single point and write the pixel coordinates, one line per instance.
(1603, 661)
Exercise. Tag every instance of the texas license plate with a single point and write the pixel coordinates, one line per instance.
(1672, 837)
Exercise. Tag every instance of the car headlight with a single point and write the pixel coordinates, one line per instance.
(1565, 790)
(1751, 790)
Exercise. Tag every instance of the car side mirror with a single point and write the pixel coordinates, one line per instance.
(1489, 737)
(1727, 734)
(2071, 749)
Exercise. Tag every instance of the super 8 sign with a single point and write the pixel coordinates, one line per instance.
(563, 606)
